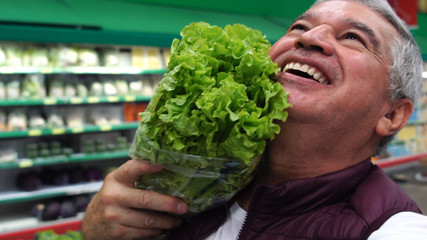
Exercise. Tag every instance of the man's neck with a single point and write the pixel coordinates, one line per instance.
(302, 151)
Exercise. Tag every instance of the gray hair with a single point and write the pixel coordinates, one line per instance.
(405, 77)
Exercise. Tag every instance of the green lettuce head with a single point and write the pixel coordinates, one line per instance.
(217, 104)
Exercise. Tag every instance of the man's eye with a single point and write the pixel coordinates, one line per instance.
(298, 27)
(353, 36)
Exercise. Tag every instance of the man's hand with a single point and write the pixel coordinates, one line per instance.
(120, 211)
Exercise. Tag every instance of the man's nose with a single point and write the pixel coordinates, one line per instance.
(319, 38)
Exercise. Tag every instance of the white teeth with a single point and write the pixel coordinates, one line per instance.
(318, 76)
(304, 68)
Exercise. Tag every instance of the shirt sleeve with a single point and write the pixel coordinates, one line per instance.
(402, 226)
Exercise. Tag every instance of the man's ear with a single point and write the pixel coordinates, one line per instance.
(396, 118)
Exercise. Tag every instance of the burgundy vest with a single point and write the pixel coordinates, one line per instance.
(347, 204)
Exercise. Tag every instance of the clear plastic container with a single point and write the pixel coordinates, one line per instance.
(202, 182)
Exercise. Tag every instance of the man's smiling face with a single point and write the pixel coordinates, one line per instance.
(335, 61)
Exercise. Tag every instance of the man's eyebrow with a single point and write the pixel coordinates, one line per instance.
(364, 28)
(352, 23)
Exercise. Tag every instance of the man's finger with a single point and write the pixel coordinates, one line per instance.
(145, 219)
(129, 172)
(143, 199)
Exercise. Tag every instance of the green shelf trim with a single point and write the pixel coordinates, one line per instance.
(78, 157)
(66, 130)
(78, 70)
(98, 156)
(73, 100)
(50, 192)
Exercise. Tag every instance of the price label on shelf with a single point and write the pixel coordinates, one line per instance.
(25, 163)
(106, 128)
(93, 100)
(77, 130)
(35, 132)
(58, 131)
(130, 98)
(46, 70)
(76, 100)
(49, 101)
(113, 99)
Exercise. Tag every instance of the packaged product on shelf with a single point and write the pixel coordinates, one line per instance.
(33, 86)
(70, 89)
(153, 58)
(36, 56)
(2, 91)
(166, 54)
(135, 87)
(74, 117)
(122, 143)
(44, 150)
(129, 112)
(2, 57)
(88, 57)
(8, 155)
(137, 56)
(17, 120)
(29, 181)
(36, 120)
(55, 148)
(82, 90)
(109, 88)
(110, 115)
(56, 86)
(63, 56)
(14, 55)
(94, 174)
(122, 87)
(51, 211)
(147, 89)
(54, 119)
(96, 89)
(32, 150)
(110, 57)
(89, 146)
(3, 126)
(100, 145)
(68, 209)
(13, 89)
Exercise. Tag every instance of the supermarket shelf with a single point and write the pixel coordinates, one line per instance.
(78, 157)
(21, 227)
(48, 192)
(79, 70)
(73, 100)
(67, 130)
(396, 164)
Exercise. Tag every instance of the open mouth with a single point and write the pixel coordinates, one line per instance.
(306, 71)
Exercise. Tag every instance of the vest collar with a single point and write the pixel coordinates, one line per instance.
(303, 195)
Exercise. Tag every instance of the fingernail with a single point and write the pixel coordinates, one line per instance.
(181, 208)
